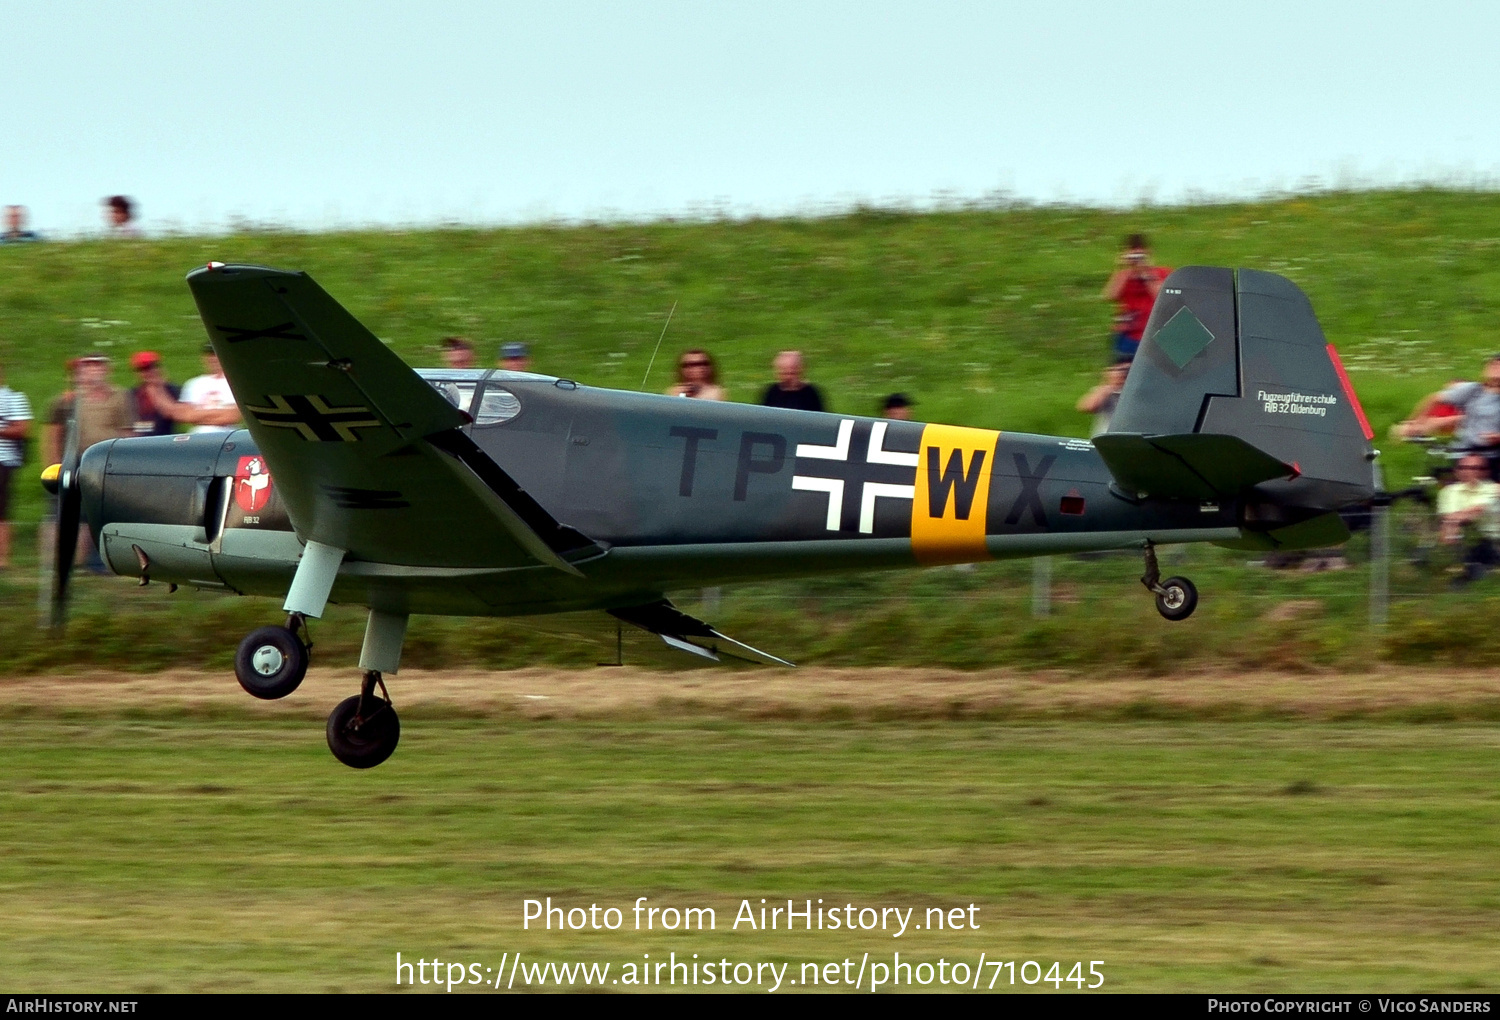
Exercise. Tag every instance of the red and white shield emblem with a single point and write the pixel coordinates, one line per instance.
(252, 484)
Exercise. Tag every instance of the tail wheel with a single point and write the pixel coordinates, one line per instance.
(1177, 598)
(271, 663)
(363, 731)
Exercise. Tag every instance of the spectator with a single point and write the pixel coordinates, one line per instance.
(458, 352)
(1479, 402)
(206, 401)
(119, 217)
(1102, 400)
(789, 389)
(1133, 289)
(515, 357)
(150, 420)
(1431, 417)
(103, 412)
(1471, 504)
(15, 226)
(103, 409)
(697, 376)
(15, 426)
(897, 406)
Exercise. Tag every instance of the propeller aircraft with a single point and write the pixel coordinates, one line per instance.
(359, 480)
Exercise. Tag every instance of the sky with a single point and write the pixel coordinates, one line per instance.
(321, 115)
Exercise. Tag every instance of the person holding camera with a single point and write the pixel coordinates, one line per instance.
(697, 377)
(1133, 289)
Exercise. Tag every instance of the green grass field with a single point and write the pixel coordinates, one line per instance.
(232, 854)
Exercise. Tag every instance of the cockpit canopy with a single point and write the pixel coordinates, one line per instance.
(480, 392)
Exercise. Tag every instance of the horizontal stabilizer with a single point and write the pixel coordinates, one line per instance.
(1318, 532)
(689, 634)
(1191, 466)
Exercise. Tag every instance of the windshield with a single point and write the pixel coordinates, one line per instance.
(458, 386)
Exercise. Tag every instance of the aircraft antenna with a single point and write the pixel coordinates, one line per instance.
(658, 346)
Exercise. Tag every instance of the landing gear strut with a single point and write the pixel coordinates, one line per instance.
(272, 661)
(363, 730)
(1176, 597)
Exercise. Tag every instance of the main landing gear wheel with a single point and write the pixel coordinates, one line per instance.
(271, 662)
(363, 730)
(1176, 597)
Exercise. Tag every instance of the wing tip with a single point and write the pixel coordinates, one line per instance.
(225, 271)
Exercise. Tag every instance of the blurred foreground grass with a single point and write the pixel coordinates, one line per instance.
(215, 856)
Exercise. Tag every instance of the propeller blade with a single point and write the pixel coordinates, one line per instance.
(69, 505)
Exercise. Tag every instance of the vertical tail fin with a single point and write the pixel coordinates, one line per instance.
(1241, 354)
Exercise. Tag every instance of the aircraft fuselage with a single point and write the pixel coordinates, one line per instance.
(680, 493)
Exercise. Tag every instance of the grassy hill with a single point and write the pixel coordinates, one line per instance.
(987, 317)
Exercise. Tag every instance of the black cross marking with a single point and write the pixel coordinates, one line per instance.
(346, 498)
(858, 471)
(1030, 497)
(313, 419)
(234, 334)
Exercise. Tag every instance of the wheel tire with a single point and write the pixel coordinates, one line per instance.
(1178, 600)
(370, 742)
(270, 663)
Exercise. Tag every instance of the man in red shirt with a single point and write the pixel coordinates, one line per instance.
(1133, 289)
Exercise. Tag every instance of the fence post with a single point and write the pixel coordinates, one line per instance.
(46, 551)
(1380, 566)
(1041, 586)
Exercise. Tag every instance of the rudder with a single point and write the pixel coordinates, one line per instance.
(1241, 354)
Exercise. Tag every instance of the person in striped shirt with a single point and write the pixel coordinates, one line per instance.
(15, 425)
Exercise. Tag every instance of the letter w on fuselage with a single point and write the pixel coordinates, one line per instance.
(953, 479)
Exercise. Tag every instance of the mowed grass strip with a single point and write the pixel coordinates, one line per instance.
(179, 855)
(809, 694)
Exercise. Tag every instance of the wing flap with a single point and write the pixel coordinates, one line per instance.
(690, 634)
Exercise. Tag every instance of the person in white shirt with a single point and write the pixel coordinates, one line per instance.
(206, 401)
(1472, 503)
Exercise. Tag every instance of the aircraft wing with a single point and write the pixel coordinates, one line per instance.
(366, 455)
